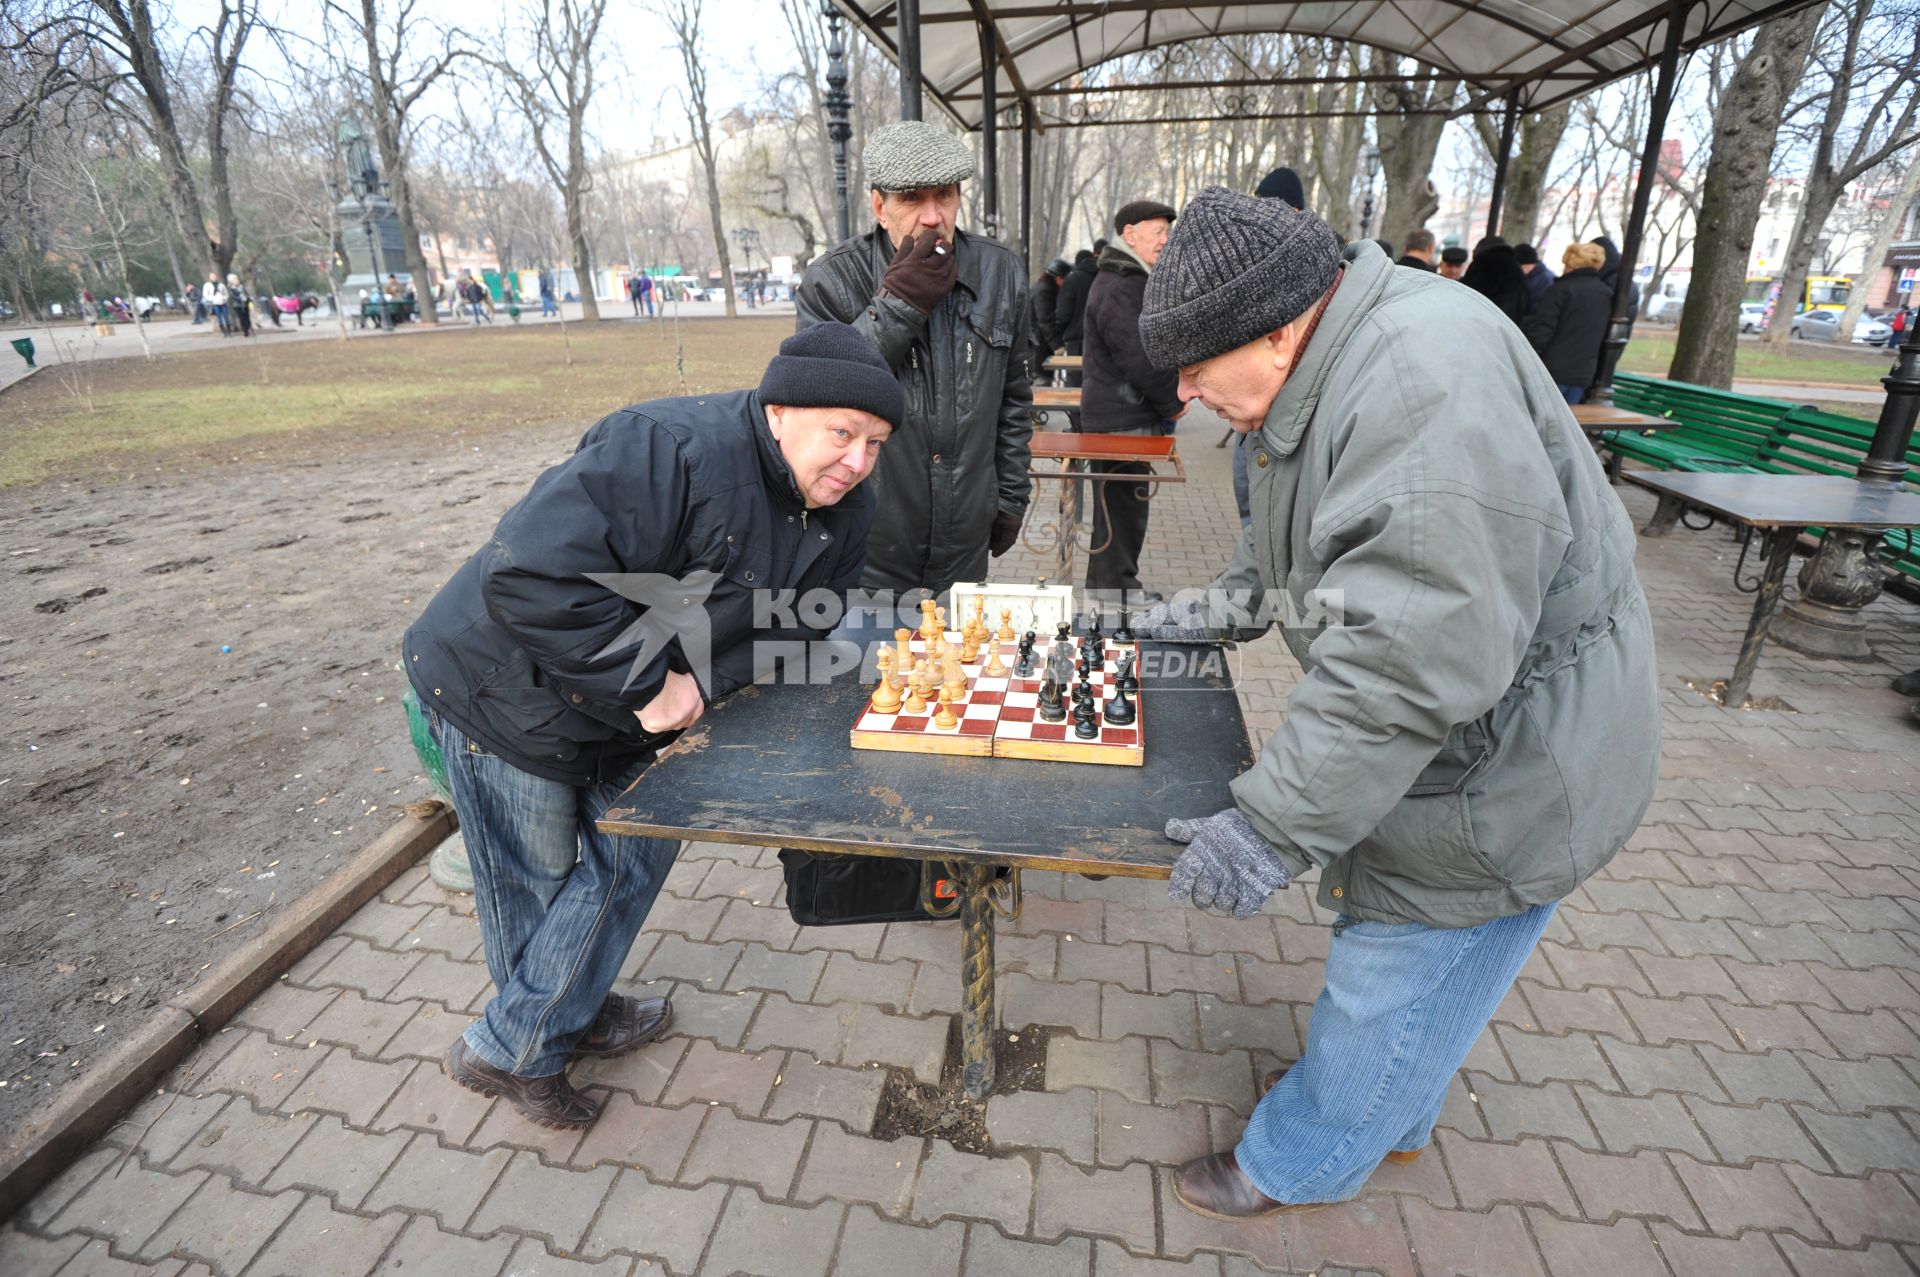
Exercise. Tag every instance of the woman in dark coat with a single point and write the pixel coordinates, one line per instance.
(1572, 321)
(1495, 273)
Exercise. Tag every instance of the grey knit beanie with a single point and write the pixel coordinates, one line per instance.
(911, 155)
(1235, 268)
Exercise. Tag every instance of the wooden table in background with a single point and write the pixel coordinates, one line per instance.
(1075, 452)
(1781, 506)
(773, 766)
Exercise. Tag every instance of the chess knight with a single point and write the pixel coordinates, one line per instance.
(609, 607)
(1479, 732)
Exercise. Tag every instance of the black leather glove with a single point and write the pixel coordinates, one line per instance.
(921, 274)
(1006, 531)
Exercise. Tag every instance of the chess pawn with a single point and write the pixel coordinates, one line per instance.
(1123, 677)
(969, 646)
(1006, 625)
(940, 621)
(956, 684)
(995, 668)
(1023, 661)
(886, 697)
(916, 702)
(946, 718)
(1119, 711)
(1086, 722)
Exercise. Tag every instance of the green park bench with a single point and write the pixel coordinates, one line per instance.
(1726, 433)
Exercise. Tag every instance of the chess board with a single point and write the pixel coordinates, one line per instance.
(1000, 717)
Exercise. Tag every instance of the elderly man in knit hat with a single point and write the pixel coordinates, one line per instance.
(1124, 393)
(623, 593)
(1476, 729)
(947, 309)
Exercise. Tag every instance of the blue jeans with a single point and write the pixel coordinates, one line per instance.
(559, 902)
(546, 305)
(1403, 1005)
(1572, 394)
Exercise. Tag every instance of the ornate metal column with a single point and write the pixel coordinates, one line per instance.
(1845, 575)
(839, 107)
(990, 131)
(908, 32)
(1616, 340)
(1509, 121)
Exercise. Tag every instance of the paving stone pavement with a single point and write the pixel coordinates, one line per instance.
(1711, 1065)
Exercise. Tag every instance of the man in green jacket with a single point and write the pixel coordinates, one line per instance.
(1477, 728)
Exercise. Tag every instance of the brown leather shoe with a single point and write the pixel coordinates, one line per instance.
(1401, 1156)
(1216, 1187)
(545, 1101)
(624, 1024)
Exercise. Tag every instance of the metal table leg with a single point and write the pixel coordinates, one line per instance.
(1069, 524)
(976, 981)
(1778, 550)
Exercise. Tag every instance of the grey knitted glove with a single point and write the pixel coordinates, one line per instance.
(1177, 621)
(1227, 866)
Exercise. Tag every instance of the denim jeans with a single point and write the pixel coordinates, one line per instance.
(559, 902)
(1403, 1005)
(1572, 394)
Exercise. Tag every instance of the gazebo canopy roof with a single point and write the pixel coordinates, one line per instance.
(1544, 51)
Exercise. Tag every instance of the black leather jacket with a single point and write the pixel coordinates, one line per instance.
(531, 652)
(960, 459)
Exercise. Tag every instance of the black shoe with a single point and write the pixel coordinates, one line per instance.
(547, 1101)
(1908, 684)
(623, 1025)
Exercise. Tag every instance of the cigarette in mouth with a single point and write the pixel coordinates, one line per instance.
(940, 249)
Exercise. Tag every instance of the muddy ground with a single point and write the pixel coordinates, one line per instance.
(200, 672)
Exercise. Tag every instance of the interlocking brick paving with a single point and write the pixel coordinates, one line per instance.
(1712, 1065)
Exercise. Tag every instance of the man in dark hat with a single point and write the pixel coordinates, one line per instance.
(947, 309)
(1123, 393)
(1453, 262)
(1283, 184)
(1539, 277)
(1044, 335)
(621, 595)
(1476, 728)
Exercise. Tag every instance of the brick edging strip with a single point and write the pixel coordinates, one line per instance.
(88, 1110)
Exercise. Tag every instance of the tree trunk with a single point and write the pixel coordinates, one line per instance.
(133, 23)
(1408, 144)
(1903, 195)
(1744, 131)
(1540, 133)
(713, 213)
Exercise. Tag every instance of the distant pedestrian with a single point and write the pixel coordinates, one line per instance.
(215, 294)
(239, 306)
(1417, 250)
(1898, 323)
(547, 305)
(199, 306)
(1571, 321)
(646, 294)
(1453, 262)
(1040, 300)
(1070, 308)
(633, 294)
(475, 294)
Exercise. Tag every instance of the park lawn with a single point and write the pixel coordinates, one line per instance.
(218, 403)
(1651, 352)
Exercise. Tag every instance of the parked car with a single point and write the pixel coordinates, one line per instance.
(1664, 307)
(7, 312)
(1824, 325)
(1753, 317)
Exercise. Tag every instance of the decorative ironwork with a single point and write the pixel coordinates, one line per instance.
(839, 109)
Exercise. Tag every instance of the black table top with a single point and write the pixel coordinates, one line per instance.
(1788, 500)
(773, 767)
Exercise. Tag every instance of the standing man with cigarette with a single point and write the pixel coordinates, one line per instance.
(948, 311)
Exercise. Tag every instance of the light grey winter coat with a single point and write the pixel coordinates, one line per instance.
(1481, 732)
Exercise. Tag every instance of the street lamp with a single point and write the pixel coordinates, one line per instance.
(1366, 205)
(368, 186)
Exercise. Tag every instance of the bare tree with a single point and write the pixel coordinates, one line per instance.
(1898, 198)
(553, 100)
(1536, 140)
(1408, 123)
(683, 18)
(398, 76)
(1746, 127)
(1892, 80)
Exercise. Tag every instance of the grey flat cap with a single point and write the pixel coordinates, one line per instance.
(911, 155)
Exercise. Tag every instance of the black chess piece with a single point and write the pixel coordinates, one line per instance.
(1052, 708)
(1083, 692)
(1124, 679)
(1119, 710)
(1064, 634)
(1093, 626)
(1023, 659)
(1124, 634)
(1086, 722)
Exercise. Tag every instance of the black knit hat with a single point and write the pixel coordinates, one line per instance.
(1236, 267)
(1283, 184)
(1142, 211)
(831, 365)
